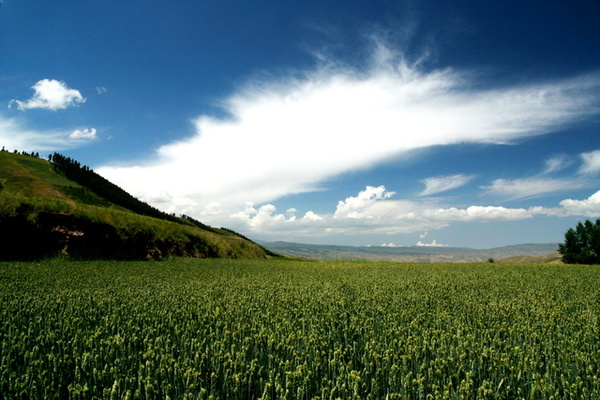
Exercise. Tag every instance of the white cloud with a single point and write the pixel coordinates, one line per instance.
(531, 187)
(311, 216)
(556, 164)
(589, 207)
(288, 135)
(267, 219)
(101, 90)
(444, 183)
(372, 211)
(432, 244)
(85, 134)
(14, 134)
(477, 214)
(51, 94)
(213, 208)
(263, 217)
(591, 162)
(379, 214)
(356, 207)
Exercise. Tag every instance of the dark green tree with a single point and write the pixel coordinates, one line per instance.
(582, 244)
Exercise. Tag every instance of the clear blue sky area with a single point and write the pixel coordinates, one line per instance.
(467, 123)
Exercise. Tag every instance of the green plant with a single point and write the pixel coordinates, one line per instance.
(242, 329)
(582, 244)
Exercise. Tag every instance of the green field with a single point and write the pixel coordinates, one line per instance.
(199, 329)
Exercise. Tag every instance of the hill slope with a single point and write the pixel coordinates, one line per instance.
(55, 208)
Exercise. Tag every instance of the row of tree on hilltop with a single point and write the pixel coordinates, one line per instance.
(32, 154)
(85, 176)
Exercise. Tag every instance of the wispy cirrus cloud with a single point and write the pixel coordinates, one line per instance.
(556, 164)
(50, 94)
(590, 163)
(440, 184)
(289, 134)
(531, 187)
(543, 184)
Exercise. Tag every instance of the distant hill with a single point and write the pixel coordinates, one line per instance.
(545, 252)
(61, 207)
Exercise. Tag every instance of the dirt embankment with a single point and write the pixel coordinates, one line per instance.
(50, 234)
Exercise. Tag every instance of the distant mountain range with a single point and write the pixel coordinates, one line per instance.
(542, 252)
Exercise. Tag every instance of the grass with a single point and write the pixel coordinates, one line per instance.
(19, 180)
(38, 179)
(43, 170)
(200, 329)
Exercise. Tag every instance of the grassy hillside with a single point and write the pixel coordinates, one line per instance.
(30, 177)
(44, 212)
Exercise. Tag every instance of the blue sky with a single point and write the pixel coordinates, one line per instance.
(467, 123)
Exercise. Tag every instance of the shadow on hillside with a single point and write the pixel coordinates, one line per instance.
(51, 234)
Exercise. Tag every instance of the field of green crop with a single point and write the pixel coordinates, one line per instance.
(222, 329)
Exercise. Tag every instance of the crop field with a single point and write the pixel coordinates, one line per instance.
(273, 329)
